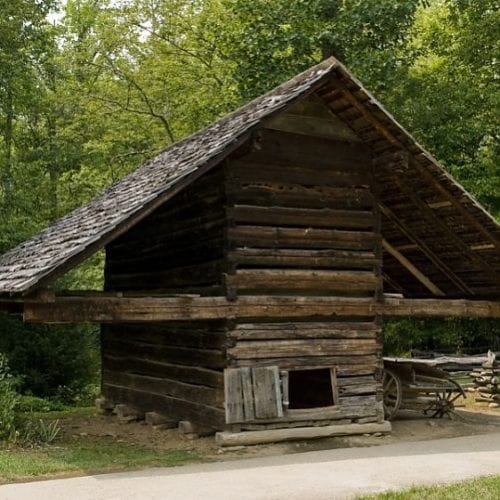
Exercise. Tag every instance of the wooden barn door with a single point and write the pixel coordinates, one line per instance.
(252, 394)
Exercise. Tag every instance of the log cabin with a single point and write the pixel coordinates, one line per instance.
(248, 267)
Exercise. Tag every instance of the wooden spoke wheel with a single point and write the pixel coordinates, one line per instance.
(444, 402)
(393, 394)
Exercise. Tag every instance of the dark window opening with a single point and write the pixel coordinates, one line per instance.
(310, 389)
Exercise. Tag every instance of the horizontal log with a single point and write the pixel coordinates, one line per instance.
(165, 387)
(155, 257)
(329, 413)
(309, 259)
(291, 279)
(287, 237)
(189, 233)
(162, 335)
(183, 373)
(254, 169)
(293, 348)
(278, 435)
(368, 362)
(341, 324)
(105, 309)
(302, 217)
(447, 308)
(358, 389)
(333, 330)
(287, 194)
(308, 151)
(201, 273)
(173, 408)
(316, 126)
(356, 400)
(208, 358)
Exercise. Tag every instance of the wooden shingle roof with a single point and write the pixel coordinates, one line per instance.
(70, 240)
(89, 227)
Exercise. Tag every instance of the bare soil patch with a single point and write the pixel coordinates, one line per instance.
(409, 426)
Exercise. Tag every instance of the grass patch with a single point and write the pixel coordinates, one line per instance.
(19, 464)
(485, 488)
(70, 411)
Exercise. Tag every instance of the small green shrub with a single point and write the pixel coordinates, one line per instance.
(51, 361)
(8, 402)
(36, 432)
(29, 404)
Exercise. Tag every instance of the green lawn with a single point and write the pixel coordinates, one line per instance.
(484, 488)
(18, 464)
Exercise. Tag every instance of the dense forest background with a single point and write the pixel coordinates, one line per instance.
(90, 89)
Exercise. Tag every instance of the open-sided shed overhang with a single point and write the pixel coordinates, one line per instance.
(438, 241)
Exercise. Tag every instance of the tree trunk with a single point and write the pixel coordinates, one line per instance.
(6, 177)
(53, 174)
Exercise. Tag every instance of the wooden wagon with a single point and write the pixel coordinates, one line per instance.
(410, 384)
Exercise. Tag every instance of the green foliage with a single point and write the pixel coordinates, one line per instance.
(37, 432)
(34, 404)
(448, 95)
(451, 336)
(51, 361)
(8, 402)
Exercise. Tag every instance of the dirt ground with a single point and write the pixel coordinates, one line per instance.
(408, 426)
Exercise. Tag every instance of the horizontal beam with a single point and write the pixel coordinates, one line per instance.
(279, 435)
(445, 308)
(143, 309)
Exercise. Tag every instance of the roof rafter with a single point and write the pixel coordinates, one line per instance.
(412, 269)
(429, 212)
(443, 268)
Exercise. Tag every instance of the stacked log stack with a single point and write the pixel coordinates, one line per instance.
(486, 380)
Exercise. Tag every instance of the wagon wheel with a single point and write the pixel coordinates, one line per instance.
(393, 392)
(444, 404)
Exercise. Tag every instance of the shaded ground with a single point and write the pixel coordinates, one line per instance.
(409, 426)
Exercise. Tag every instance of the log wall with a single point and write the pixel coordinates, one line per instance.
(178, 247)
(302, 221)
(295, 215)
(173, 368)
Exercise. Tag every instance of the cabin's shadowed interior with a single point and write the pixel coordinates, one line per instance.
(310, 389)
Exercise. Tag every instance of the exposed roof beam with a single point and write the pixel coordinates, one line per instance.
(425, 250)
(412, 269)
(439, 204)
(438, 223)
(453, 201)
(361, 108)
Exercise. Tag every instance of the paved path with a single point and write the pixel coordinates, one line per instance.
(330, 474)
